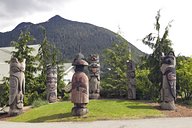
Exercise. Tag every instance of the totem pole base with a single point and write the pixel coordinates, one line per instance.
(52, 100)
(168, 105)
(77, 111)
(15, 112)
(94, 96)
(131, 94)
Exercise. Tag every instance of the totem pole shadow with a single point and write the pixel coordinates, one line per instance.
(51, 117)
(140, 107)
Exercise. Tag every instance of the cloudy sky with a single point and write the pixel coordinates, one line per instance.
(133, 18)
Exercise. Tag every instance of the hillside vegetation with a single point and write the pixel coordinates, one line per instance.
(67, 36)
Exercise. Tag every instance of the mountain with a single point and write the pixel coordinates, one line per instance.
(67, 36)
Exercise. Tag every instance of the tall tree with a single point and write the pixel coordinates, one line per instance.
(43, 58)
(159, 45)
(49, 54)
(23, 51)
(115, 61)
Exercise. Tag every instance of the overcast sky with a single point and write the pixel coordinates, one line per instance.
(135, 18)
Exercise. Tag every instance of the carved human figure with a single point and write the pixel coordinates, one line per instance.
(131, 80)
(168, 90)
(94, 76)
(17, 86)
(80, 89)
(51, 83)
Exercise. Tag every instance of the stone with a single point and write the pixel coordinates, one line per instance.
(131, 80)
(80, 88)
(168, 90)
(51, 83)
(94, 76)
(17, 86)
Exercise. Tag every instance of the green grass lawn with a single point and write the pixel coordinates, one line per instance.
(98, 110)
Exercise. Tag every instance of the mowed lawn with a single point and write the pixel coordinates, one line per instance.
(98, 110)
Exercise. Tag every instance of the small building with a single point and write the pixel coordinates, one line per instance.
(68, 72)
(5, 55)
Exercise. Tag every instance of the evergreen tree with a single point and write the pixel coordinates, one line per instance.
(60, 80)
(115, 80)
(23, 51)
(43, 58)
(48, 54)
(159, 45)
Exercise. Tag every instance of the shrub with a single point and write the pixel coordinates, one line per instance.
(39, 102)
(4, 92)
(145, 89)
(184, 75)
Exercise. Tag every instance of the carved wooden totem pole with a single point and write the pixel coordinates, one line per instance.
(17, 86)
(51, 83)
(131, 80)
(80, 88)
(94, 76)
(168, 91)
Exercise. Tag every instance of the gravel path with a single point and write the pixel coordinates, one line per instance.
(179, 122)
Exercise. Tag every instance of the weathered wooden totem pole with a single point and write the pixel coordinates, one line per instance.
(17, 86)
(131, 80)
(94, 76)
(80, 87)
(168, 90)
(51, 83)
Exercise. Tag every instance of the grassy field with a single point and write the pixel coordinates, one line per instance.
(98, 110)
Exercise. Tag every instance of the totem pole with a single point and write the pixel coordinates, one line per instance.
(51, 83)
(168, 90)
(80, 88)
(17, 86)
(94, 76)
(131, 80)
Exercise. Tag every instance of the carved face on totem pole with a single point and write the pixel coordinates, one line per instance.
(131, 79)
(94, 65)
(94, 76)
(168, 91)
(51, 83)
(17, 86)
(94, 69)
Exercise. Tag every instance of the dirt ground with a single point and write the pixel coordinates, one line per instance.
(4, 117)
(181, 111)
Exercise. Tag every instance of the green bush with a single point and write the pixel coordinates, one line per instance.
(60, 91)
(4, 92)
(115, 77)
(66, 96)
(38, 103)
(184, 75)
(110, 91)
(144, 88)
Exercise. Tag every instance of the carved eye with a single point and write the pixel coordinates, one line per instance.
(168, 61)
(93, 58)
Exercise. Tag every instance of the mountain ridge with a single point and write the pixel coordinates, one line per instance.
(67, 36)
